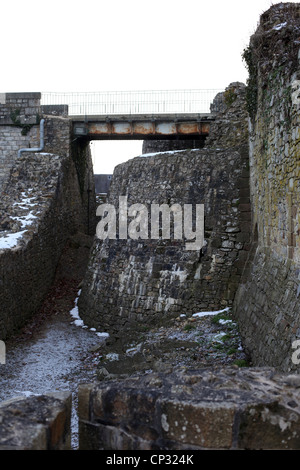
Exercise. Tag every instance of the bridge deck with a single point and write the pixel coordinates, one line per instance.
(144, 126)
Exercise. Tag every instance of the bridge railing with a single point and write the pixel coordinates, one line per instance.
(133, 102)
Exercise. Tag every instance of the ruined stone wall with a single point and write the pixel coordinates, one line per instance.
(267, 304)
(228, 408)
(204, 409)
(82, 158)
(134, 283)
(231, 125)
(150, 146)
(41, 206)
(36, 423)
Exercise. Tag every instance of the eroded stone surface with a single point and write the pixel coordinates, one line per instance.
(36, 423)
(216, 408)
(132, 283)
(267, 303)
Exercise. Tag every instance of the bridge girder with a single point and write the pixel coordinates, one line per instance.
(142, 126)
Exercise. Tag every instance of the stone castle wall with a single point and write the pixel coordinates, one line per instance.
(154, 146)
(42, 204)
(267, 304)
(228, 408)
(131, 283)
(200, 409)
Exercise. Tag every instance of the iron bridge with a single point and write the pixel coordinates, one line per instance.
(166, 114)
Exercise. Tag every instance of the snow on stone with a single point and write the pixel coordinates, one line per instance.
(10, 240)
(204, 314)
(25, 219)
(25, 201)
(27, 393)
(102, 334)
(112, 356)
(218, 337)
(153, 154)
(78, 322)
(278, 27)
(226, 322)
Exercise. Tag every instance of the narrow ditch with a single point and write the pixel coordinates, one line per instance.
(52, 353)
(49, 353)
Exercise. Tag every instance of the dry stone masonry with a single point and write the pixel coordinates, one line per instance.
(36, 423)
(267, 304)
(252, 408)
(43, 202)
(133, 283)
(217, 409)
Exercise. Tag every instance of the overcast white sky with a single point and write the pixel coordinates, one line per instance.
(105, 45)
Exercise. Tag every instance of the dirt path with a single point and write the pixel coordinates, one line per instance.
(50, 353)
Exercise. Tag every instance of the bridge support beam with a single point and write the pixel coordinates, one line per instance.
(142, 127)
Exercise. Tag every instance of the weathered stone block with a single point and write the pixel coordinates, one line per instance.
(269, 426)
(84, 391)
(206, 425)
(36, 423)
(216, 408)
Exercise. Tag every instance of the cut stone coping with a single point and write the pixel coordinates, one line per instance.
(41, 422)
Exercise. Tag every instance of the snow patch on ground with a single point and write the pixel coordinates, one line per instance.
(78, 322)
(204, 314)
